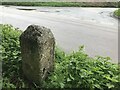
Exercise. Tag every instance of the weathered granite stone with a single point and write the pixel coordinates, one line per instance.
(37, 49)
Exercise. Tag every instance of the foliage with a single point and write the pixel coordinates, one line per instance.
(64, 4)
(117, 12)
(75, 70)
(11, 59)
(10, 55)
(78, 70)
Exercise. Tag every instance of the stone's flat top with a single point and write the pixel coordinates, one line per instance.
(40, 30)
(36, 28)
(37, 33)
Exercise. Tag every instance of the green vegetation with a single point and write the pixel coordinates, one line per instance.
(117, 13)
(75, 70)
(78, 70)
(64, 4)
(11, 59)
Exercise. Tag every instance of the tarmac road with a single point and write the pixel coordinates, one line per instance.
(72, 27)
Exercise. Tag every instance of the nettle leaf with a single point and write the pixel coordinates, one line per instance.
(109, 85)
(114, 79)
(68, 79)
(107, 76)
(100, 72)
(62, 85)
(97, 86)
(71, 77)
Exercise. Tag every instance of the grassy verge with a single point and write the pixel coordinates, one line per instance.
(64, 4)
(76, 70)
(117, 13)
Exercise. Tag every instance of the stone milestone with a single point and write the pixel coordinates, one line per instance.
(37, 50)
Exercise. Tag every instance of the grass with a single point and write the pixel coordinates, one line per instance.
(117, 13)
(64, 4)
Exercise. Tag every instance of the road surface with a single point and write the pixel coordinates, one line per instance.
(72, 27)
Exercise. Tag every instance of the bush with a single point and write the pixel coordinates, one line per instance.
(117, 13)
(76, 70)
(11, 59)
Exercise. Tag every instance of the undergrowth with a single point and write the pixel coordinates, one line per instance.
(75, 70)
